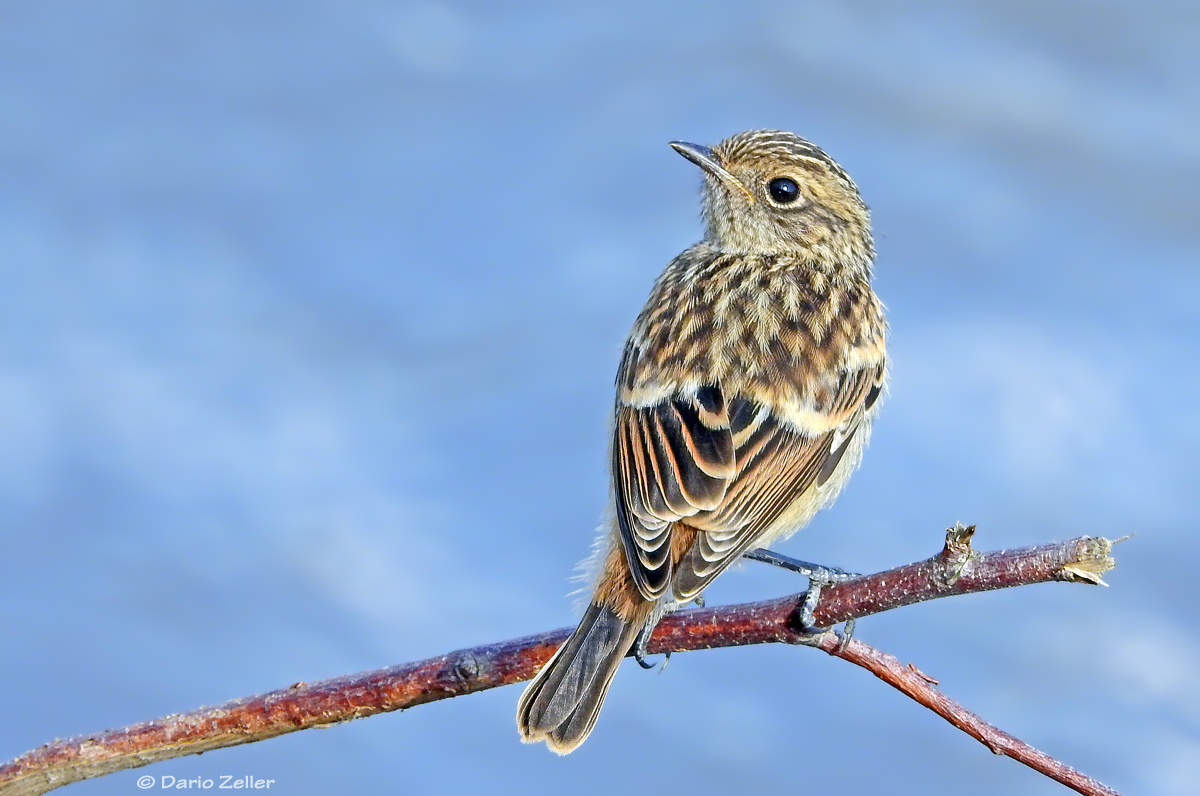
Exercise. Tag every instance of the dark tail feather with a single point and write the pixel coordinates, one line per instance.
(561, 704)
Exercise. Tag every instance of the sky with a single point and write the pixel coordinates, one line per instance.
(309, 316)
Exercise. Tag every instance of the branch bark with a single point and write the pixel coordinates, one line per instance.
(957, 569)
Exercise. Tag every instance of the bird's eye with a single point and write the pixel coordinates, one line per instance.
(784, 190)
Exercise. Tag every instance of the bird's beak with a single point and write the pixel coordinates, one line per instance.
(706, 159)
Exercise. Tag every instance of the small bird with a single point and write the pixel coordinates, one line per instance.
(745, 397)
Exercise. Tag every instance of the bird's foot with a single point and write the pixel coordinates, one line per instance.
(818, 578)
(808, 622)
(641, 648)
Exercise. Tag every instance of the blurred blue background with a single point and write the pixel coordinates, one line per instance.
(309, 314)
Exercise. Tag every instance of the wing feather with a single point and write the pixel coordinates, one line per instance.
(726, 466)
(671, 461)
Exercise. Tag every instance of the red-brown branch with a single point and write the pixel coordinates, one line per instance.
(957, 569)
(918, 685)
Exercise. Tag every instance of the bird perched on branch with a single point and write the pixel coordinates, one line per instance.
(744, 398)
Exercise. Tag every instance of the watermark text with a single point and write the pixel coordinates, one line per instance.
(219, 782)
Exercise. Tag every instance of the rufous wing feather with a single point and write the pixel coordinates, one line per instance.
(727, 468)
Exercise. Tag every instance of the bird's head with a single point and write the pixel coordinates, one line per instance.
(772, 192)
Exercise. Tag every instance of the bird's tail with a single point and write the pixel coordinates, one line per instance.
(560, 705)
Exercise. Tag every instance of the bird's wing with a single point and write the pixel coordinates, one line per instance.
(671, 460)
(727, 468)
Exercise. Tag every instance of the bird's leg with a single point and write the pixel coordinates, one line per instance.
(818, 577)
(817, 572)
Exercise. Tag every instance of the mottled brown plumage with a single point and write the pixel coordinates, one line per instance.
(744, 399)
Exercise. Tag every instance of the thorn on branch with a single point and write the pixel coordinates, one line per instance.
(923, 676)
